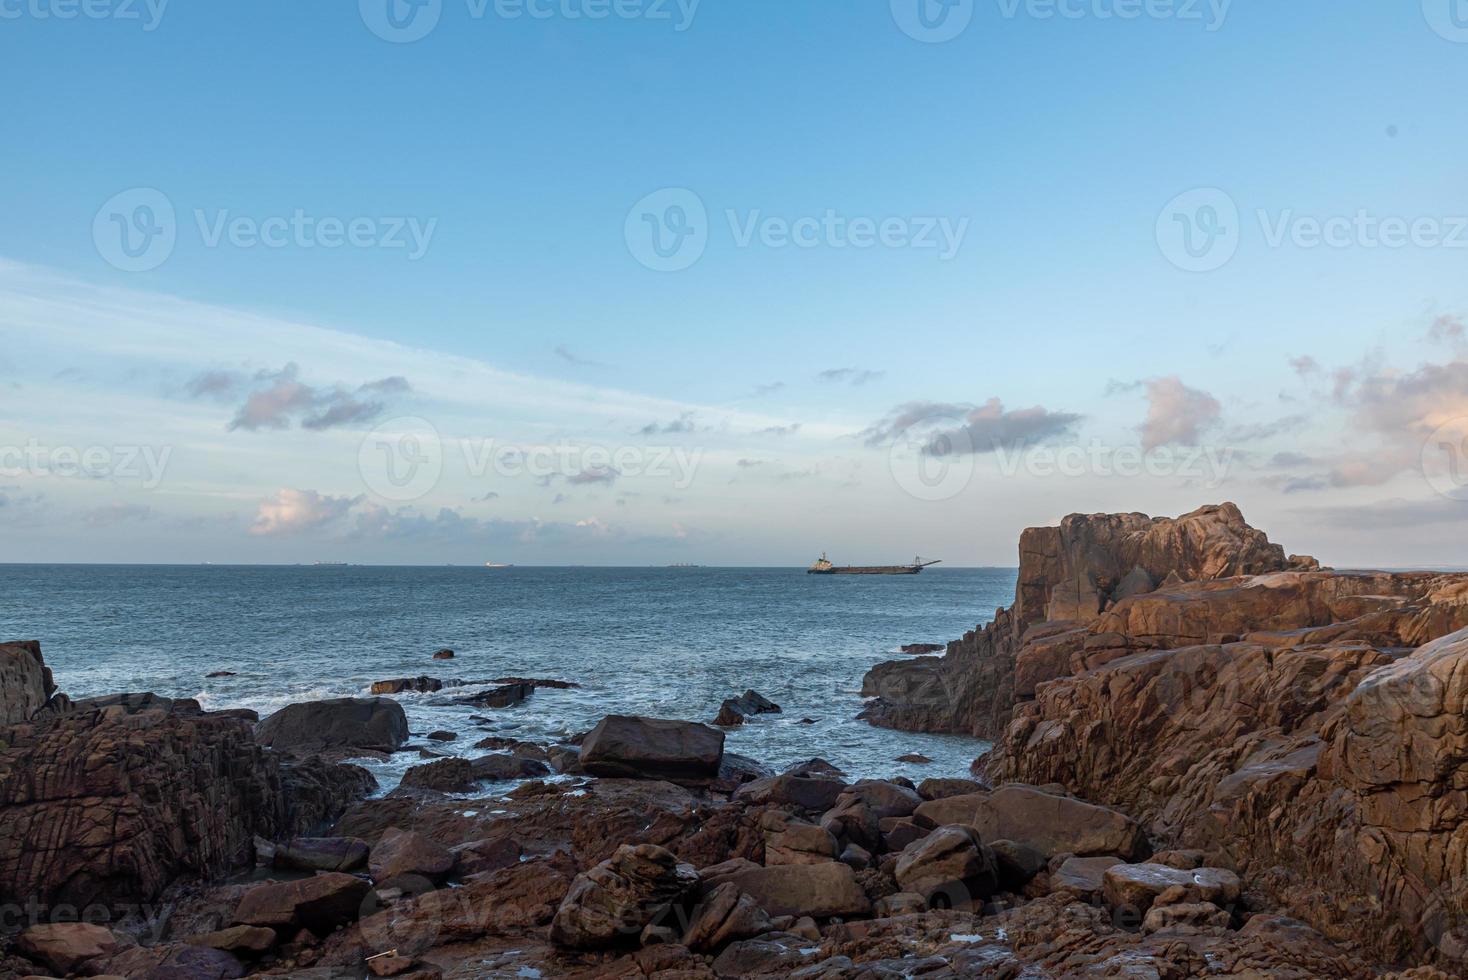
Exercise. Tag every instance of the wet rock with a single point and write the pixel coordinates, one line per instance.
(338, 726)
(449, 775)
(899, 832)
(951, 863)
(497, 768)
(649, 748)
(773, 955)
(620, 897)
(858, 858)
(389, 964)
(734, 711)
(853, 821)
(219, 673)
(740, 769)
(404, 685)
(884, 799)
(65, 946)
(321, 854)
(444, 654)
(404, 854)
(504, 696)
(724, 915)
(321, 903)
(921, 649)
(442, 736)
(915, 758)
(819, 890)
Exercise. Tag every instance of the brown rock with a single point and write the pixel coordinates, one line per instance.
(1049, 823)
(449, 775)
(444, 654)
(239, 940)
(819, 890)
(950, 865)
(403, 685)
(815, 794)
(789, 840)
(648, 748)
(175, 961)
(322, 903)
(321, 854)
(338, 726)
(1185, 918)
(65, 946)
(25, 681)
(478, 857)
(407, 854)
(1084, 876)
(1137, 886)
(621, 896)
(723, 916)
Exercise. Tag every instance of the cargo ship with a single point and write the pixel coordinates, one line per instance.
(824, 567)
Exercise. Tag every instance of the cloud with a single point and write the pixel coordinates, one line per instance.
(1447, 330)
(112, 514)
(769, 389)
(1305, 365)
(1391, 514)
(1177, 414)
(948, 428)
(298, 511)
(280, 399)
(853, 376)
(449, 527)
(779, 430)
(683, 423)
(1260, 431)
(745, 464)
(1288, 459)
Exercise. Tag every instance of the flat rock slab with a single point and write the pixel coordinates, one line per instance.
(1083, 875)
(337, 725)
(321, 904)
(817, 890)
(1050, 823)
(1136, 886)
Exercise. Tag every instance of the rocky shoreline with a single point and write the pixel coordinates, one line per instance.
(1210, 759)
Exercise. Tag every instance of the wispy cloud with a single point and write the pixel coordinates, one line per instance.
(952, 428)
(852, 376)
(571, 357)
(298, 511)
(1177, 414)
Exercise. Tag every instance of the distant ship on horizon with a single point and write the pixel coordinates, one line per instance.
(496, 564)
(823, 566)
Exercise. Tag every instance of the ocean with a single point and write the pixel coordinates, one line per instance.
(664, 642)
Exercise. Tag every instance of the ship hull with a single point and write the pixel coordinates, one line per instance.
(873, 570)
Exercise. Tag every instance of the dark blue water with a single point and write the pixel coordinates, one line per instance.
(664, 642)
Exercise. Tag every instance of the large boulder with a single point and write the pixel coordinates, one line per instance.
(25, 681)
(321, 854)
(1137, 886)
(338, 727)
(620, 897)
(818, 890)
(649, 748)
(65, 946)
(789, 840)
(726, 914)
(950, 867)
(1049, 822)
(110, 801)
(812, 792)
(322, 903)
(407, 854)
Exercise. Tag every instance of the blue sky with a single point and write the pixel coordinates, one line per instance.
(1051, 150)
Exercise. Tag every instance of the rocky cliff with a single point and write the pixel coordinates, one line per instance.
(1306, 728)
(1068, 576)
(25, 682)
(109, 801)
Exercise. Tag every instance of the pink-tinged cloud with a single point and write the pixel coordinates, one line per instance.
(1177, 414)
(299, 511)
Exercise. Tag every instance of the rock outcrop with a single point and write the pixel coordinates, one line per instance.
(650, 748)
(1068, 577)
(25, 681)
